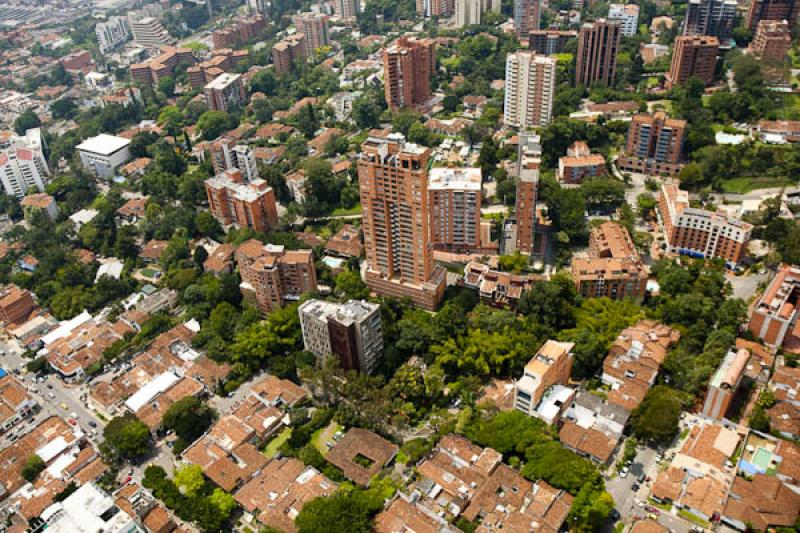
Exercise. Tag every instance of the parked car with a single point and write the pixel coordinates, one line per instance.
(623, 473)
(92, 423)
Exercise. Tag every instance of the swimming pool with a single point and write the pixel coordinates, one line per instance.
(762, 458)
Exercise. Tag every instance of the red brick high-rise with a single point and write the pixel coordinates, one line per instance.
(393, 181)
(654, 145)
(239, 33)
(598, 44)
(273, 276)
(528, 162)
(772, 10)
(245, 205)
(693, 56)
(314, 26)
(408, 65)
(772, 40)
(286, 52)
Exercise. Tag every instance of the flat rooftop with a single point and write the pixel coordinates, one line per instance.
(454, 178)
(103, 144)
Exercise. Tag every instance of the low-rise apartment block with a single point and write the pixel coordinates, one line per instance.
(725, 383)
(273, 276)
(495, 286)
(150, 72)
(654, 145)
(550, 366)
(580, 163)
(245, 205)
(240, 32)
(612, 267)
(700, 233)
(352, 332)
(224, 60)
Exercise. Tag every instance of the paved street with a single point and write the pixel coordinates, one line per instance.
(626, 499)
(64, 401)
(745, 287)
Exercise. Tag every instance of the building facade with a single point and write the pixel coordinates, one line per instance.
(112, 33)
(627, 15)
(226, 154)
(724, 384)
(612, 267)
(104, 154)
(580, 163)
(23, 167)
(693, 56)
(598, 44)
(550, 366)
(527, 16)
(470, 12)
(239, 33)
(530, 89)
(314, 26)
(654, 145)
(549, 42)
(244, 205)
(393, 182)
(225, 92)
(148, 31)
(272, 276)
(774, 318)
(286, 52)
(715, 18)
(528, 162)
(455, 208)
(351, 331)
(774, 10)
(150, 72)
(771, 41)
(407, 68)
(435, 8)
(700, 233)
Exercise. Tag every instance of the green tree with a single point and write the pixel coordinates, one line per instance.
(189, 479)
(26, 121)
(342, 512)
(189, 417)
(656, 418)
(32, 468)
(64, 109)
(510, 432)
(212, 124)
(167, 86)
(350, 286)
(551, 302)
(126, 435)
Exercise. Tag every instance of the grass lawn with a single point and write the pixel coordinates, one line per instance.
(271, 449)
(663, 506)
(339, 211)
(323, 435)
(692, 518)
(745, 185)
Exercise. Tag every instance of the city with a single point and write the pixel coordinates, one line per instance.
(431, 266)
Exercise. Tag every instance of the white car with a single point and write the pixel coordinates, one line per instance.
(624, 472)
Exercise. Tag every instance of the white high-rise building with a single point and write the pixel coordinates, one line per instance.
(530, 88)
(112, 33)
(148, 31)
(23, 167)
(246, 162)
(469, 12)
(627, 15)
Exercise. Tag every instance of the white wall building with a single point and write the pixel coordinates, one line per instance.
(112, 33)
(23, 167)
(530, 89)
(88, 509)
(102, 155)
(628, 15)
(148, 31)
(469, 12)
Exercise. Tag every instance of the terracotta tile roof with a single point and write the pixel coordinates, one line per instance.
(668, 484)
(152, 249)
(402, 516)
(764, 502)
(789, 468)
(346, 241)
(366, 444)
(504, 487)
(220, 260)
(591, 441)
(277, 494)
(648, 526)
(278, 391)
(135, 207)
(704, 494)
